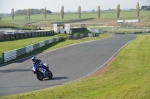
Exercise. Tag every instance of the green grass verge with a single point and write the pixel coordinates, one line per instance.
(126, 78)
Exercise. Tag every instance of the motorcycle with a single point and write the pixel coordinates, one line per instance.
(42, 72)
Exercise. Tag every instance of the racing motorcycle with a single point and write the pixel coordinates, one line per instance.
(42, 72)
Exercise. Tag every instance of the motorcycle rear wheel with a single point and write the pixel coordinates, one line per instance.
(50, 75)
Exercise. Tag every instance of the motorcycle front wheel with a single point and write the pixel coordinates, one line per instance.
(40, 76)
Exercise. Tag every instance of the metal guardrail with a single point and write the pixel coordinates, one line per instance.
(77, 36)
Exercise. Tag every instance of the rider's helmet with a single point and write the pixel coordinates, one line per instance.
(33, 59)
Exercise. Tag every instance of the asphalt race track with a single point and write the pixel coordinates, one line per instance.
(67, 64)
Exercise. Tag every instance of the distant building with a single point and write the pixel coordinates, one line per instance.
(120, 21)
(128, 21)
(132, 21)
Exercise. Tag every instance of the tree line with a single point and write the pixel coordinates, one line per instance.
(145, 7)
(29, 11)
(32, 11)
(98, 11)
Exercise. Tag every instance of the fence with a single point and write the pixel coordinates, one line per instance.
(78, 36)
(13, 54)
(78, 29)
(25, 34)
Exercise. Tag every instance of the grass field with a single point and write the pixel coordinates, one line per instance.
(126, 77)
(104, 16)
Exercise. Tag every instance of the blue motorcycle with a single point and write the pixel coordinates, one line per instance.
(42, 72)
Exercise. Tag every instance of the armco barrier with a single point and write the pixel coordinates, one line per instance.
(138, 32)
(13, 54)
(119, 33)
(10, 55)
(29, 48)
(70, 37)
(77, 36)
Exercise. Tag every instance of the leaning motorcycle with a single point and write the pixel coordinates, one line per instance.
(42, 72)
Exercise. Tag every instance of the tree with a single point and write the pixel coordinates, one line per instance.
(12, 13)
(109, 9)
(45, 13)
(118, 10)
(145, 7)
(79, 11)
(28, 13)
(92, 10)
(98, 11)
(48, 11)
(137, 9)
(62, 12)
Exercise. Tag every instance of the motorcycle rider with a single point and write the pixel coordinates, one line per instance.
(37, 62)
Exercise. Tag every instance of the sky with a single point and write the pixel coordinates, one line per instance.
(69, 5)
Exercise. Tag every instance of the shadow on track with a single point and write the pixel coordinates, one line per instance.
(56, 78)
(14, 70)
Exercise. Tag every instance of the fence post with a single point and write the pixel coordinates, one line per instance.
(4, 36)
(27, 34)
(3, 57)
(23, 35)
(9, 36)
(37, 33)
(15, 35)
(19, 36)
